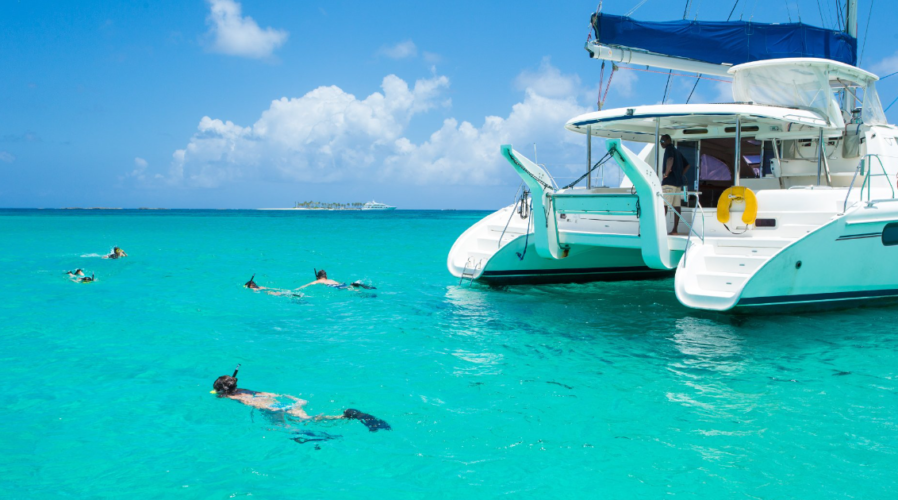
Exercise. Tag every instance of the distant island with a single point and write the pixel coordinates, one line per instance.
(319, 205)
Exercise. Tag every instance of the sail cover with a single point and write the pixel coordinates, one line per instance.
(725, 42)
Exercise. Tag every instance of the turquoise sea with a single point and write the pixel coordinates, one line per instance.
(606, 390)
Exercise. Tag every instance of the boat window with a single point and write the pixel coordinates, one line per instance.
(749, 128)
(890, 234)
(765, 222)
(693, 131)
(871, 112)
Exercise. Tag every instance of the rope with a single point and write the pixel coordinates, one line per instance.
(890, 105)
(866, 30)
(628, 14)
(697, 79)
(820, 9)
(666, 87)
(890, 74)
(839, 14)
(598, 164)
(733, 10)
(601, 81)
(607, 87)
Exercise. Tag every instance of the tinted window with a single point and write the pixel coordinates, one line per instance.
(890, 234)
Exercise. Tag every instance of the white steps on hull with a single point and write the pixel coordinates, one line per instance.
(726, 264)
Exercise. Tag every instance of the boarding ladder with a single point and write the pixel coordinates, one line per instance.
(472, 273)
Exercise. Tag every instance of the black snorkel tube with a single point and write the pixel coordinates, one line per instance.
(248, 285)
(316, 273)
(234, 376)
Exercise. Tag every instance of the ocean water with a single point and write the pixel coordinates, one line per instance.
(602, 391)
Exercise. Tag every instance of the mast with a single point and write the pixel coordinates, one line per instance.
(848, 100)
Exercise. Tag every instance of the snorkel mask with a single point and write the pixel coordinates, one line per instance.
(234, 376)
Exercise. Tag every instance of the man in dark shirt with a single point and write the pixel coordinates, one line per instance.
(674, 178)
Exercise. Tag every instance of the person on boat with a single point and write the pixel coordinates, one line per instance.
(76, 272)
(226, 387)
(117, 253)
(674, 178)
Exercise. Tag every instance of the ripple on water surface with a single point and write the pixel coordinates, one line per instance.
(606, 389)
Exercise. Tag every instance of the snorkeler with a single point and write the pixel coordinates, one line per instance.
(117, 253)
(322, 279)
(86, 279)
(252, 284)
(226, 387)
(76, 272)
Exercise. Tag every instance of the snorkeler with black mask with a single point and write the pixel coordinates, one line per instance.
(252, 284)
(226, 387)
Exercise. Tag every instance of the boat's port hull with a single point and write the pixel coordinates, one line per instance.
(583, 265)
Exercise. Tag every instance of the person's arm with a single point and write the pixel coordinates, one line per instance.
(309, 284)
(668, 167)
(328, 417)
(302, 402)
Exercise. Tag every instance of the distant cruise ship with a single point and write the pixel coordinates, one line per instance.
(373, 205)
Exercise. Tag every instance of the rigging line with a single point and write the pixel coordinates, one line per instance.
(753, 9)
(698, 78)
(666, 87)
(866, 30)
(890, 105)
(890, 74)
(628, 14)
(788, 12)
(733, 10)
(820, 9)
(676, 74)
(839, 15)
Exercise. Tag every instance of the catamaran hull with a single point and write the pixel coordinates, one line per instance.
(582, 265)
(848, 262)
(500, 250)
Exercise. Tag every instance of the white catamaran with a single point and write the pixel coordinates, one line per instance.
(797, 183)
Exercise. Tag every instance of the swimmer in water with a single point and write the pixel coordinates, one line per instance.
(117, 253)
(226, 387)
(76, 272)
(322, 279)
(252, 284)
(86, 279)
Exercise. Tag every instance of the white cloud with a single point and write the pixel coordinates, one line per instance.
(7, 157)
(887, 65)
(622, 83)
(432, 57)
(401, 50)
(235, 35)
(328, 135)
(548, 81)
(140, 166)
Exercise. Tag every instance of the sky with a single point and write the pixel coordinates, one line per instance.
(263, 103)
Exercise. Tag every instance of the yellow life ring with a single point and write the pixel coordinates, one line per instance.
(737, 193)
